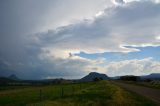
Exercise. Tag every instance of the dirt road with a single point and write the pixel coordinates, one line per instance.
(150, 93)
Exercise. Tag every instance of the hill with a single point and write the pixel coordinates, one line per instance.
(9, 80)
(152, 76)
(91, 76)
(13, 77)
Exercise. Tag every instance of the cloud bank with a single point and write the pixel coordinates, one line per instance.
(133, 67)
(135, 24)
(118, 26)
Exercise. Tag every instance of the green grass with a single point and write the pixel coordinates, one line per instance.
(151, 84)
(102, 93)
(2, 88)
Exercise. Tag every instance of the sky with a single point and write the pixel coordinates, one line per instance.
(42, 39)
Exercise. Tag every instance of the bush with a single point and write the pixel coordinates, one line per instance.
(130, 78)
(97, 79)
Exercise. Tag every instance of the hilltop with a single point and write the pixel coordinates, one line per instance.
(91, 76)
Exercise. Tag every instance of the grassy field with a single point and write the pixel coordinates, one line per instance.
(102, 93)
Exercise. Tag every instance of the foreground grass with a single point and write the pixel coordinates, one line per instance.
(102, 93)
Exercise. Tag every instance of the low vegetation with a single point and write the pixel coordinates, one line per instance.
(136, 80)
(152, 84)
(99, 93)
(130, 78)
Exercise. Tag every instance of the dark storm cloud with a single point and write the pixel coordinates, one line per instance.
(20, 18)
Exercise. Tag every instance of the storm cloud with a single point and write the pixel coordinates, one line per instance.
(39, 39)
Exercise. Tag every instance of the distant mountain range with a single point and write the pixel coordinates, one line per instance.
(151, 76)
(91, 76)
(13, 77)
(5, 80)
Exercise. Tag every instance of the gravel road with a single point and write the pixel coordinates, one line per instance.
(150, 93)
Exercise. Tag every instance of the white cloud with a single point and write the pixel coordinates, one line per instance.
(99, 13)
(133, 67)
(118, 2)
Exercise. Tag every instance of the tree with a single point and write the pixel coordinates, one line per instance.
(130, 78)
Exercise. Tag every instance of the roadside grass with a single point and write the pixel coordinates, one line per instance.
(103, 93)
(152, 84)
(3, 88)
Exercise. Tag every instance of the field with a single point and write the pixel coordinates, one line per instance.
(102, 93)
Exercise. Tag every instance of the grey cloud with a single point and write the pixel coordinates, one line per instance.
(40, 55)
(135, 23)
(19, 19)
